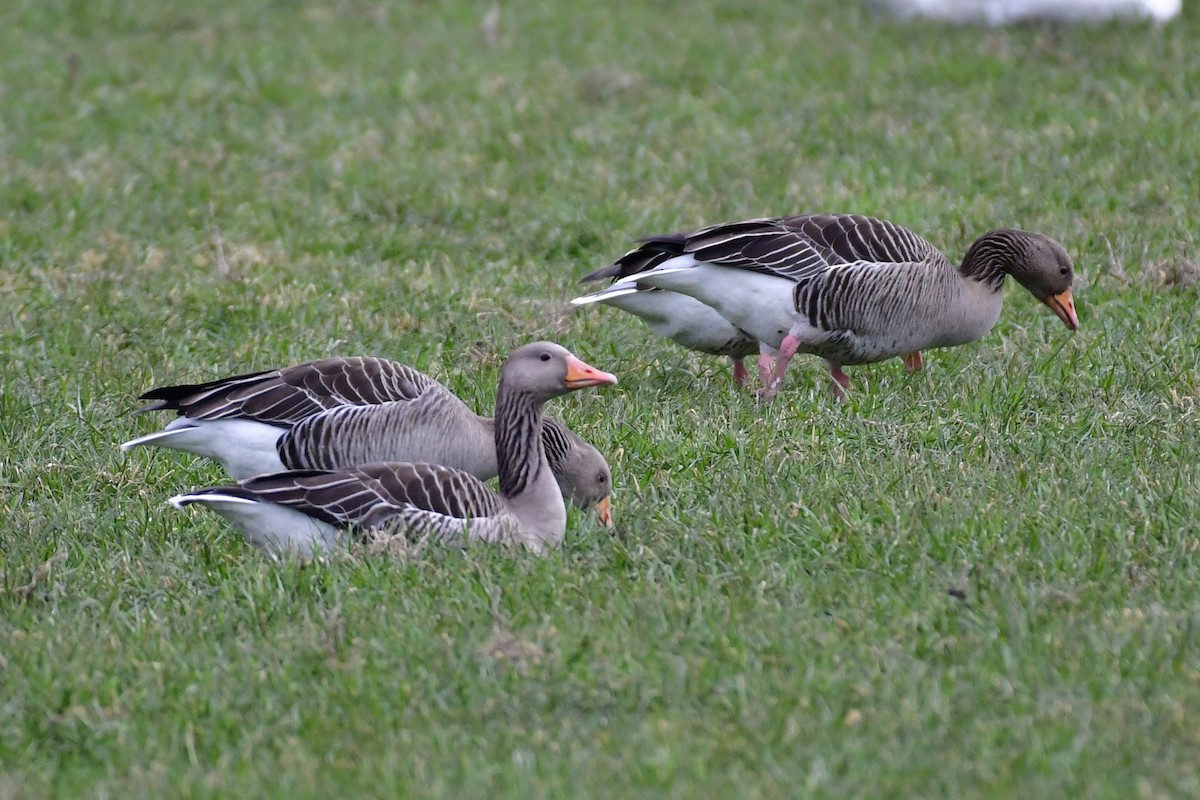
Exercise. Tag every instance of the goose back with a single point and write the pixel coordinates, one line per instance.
(862, 289)
(286, 396)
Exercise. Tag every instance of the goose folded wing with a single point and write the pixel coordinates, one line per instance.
(760, 245)
(368, 496)
(286, 396)
(848, 238)
(357, 381)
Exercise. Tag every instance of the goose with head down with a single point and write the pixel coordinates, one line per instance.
(336, 413)
(310, 511)
(854, 289)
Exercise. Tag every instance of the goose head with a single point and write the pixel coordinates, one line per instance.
(585, 479)
(545, 370)
(1037, 262)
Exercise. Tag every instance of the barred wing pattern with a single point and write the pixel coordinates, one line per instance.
(286, 396)
(847, 238)
(654, 251)
(430, 429)
(795, 247)
(416, 499)
(762, 245)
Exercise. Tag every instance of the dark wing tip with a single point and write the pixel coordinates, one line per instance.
(157, 405)
(611, 271)
(160, 393)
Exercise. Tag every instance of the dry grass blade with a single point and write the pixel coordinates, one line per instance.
(40, 575)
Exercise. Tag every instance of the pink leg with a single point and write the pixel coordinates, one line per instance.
(740, 374)
(766, 363)
(787, 349)
(914, 362)
(841, 382)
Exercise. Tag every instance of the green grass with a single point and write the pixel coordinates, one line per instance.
(975, 583)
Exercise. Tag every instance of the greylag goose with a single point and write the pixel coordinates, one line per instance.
(854, 289)
(336, 413)
(682, 319)
(309, 511)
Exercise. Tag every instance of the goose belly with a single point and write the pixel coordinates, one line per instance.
(684, 320)
(271, 527)
(245, 448)
(761, 305)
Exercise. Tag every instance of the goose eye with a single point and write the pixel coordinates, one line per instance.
(601, 478)
(1063, 271)
(544, 356)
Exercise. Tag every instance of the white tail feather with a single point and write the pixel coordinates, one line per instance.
(668, 267)
(271, 527)
(244, 447)
(180, 501)
(154, 439)
(614, 291)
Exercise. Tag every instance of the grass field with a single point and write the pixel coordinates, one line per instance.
(979, 582)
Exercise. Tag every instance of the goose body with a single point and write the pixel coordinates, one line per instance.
(311, 511)
(854, 289)
(338, 413)
(679, 317)
(1006, 12)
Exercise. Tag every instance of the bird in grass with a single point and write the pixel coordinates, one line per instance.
(853, 289)
(308, 512)
(337, 413)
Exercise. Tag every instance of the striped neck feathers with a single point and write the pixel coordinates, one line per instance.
(554, 439)
(518, 432)
(993, 256)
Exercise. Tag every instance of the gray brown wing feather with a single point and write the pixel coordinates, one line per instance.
(846, 238)
(798, 247)
(287, 396)
(370, 495)
(653, 252)
(880, 273)
(762, 245)
(852, 272)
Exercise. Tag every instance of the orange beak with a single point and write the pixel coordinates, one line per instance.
(581, 375)
(1063, 305)
(604, 511)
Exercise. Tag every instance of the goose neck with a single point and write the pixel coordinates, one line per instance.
(989, 259)
(518, 435)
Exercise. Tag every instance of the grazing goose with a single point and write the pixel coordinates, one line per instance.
(308, 511)
(336, 413)
(682, 319)
(854, 289)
